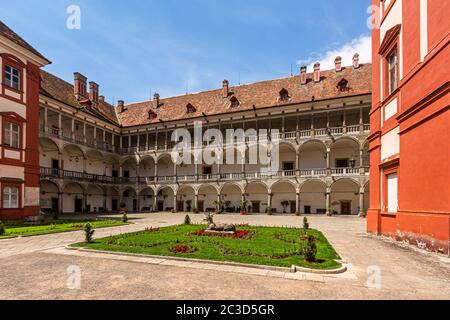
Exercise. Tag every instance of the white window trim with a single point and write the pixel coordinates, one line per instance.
(8, 195)
(10, 83)
(9, 132)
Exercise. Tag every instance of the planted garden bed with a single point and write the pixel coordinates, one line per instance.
(271, 246)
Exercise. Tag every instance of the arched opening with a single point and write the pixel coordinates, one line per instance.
(112, 166)
(366, 156)
(165, 168)
(256, 196)
(73, 158)
(186, 169)
(257, 160)
(129, 168)
(186, 199)
(313, 155)
(287, 158)
(233, 161)
(112, 199)
(345, 154)
(129, 199)
(283, 197)
(49, 197)
(345, 197)
(165, 199)
(73, 198)
(95, 164)
(207, 198)
(94, 199)
(147, 168)
(231, 197)
(146, 197)
(48, 154)
(313, 197)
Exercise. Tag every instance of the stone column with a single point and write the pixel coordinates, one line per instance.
(196, 201)
(60, 202)
(329, 211)
(45, 120)
(269, 200)
(361, 162)
(175, 203)
(297, 203)
(361, 202)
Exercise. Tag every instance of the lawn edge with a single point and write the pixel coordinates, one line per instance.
(65, 231)
(292, 269)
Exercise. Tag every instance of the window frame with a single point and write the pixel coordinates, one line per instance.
(390, 168)
(13, 62)
(10, 195)
(7, 126)
(390, 71)
(10, 82)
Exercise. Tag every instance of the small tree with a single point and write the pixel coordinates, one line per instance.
(305, 223)
(2, 228)
(124, 217)
(244, 206)
(187, 220)
(88, 233)
(309, 250)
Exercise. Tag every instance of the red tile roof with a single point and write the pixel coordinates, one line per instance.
(14, 37)
(261, 94)
(60, 90)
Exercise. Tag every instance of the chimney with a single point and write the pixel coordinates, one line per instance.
(338, 64)
(79, 86)
(93, 93)
(317, 72)
(120, 106)
(156, 99)
(303, 70)
(356, 61)
(226, 88)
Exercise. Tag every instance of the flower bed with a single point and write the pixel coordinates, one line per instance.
(183, 249)
(238, 234)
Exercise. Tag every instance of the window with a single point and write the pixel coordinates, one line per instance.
(190, 108)
(284, 95)
(288, 166)
(342, 85)
(234, 102)
(11, 135)
(10, 198)
(342, 163)
(393, 71)
(151, 115)
(392, 192)
(207, 170)
(12, 77)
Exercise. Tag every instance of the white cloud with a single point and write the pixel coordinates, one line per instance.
(361, 45)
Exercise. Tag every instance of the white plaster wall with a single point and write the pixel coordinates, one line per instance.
(313, 194)
(390, 143)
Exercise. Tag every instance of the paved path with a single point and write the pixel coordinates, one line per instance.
(35, 268)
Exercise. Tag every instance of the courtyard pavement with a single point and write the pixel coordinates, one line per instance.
(36, 268)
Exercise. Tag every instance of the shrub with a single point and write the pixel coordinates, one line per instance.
(2, 228)
(124, 217)
(309, 250)
(88, 233)
(305, 223)
(187, 220)
(122, 205)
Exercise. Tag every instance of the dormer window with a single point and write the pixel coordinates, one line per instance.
(152, 115)
(190, 108)
(342, 85)
(284, 95)
(234, 102)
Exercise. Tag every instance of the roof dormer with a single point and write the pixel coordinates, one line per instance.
(190, 108)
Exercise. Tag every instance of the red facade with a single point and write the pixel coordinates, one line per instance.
(410, 123)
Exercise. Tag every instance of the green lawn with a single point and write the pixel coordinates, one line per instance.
(263, 246)
(19, 228)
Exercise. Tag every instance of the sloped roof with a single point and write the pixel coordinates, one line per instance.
(260, 94)
(14, 37)
(60, 90)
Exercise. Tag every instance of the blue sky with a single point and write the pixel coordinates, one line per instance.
(137, 47)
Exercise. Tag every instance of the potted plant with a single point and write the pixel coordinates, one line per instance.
(243, 207)
(285, 204)
(122, 206)
(195, 210)
(269, 211)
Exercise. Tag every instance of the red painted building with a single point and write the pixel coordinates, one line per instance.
(20, 67)
(410, 123)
